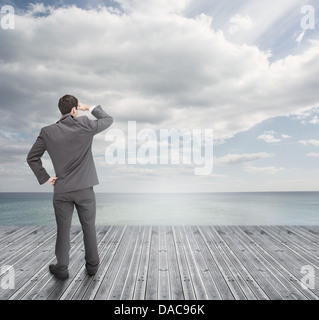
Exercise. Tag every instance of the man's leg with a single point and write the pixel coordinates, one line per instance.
(86, 208)
(63, 208)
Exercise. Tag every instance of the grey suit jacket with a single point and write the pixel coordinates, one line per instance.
(69, 143)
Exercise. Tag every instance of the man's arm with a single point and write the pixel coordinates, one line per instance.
(35, 163)
(103, 119)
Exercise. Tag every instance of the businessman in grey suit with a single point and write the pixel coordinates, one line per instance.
(68, 143)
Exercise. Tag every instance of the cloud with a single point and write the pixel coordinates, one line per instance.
(165, 69)
(148, 62)
(241, 158)
(269, 137)
(312, 142)
(240, 23)
(312, 154)
(314, 120)
(269, 170)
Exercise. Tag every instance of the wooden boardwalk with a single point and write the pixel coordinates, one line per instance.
(168, 262)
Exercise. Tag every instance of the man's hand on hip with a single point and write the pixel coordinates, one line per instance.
(52, 180)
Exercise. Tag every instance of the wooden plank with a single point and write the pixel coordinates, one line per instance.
(11, 234)
(124, 267)
(213, 265)
(283, 260)
(91, 285)
(164, 292)
(141, 277)
(187, 284)
(27, 269)
(280, 275)
(19, 242)
(81, 281)
(44, 281)
(199, 287)
(176, 289)
(167, 262)
(303, 232)
(293, 258)
(76, 269)
(221, 263)
(298, 245)
(132, 276)
(212, 292)
(110, 274)
(239, 272)
(152, 274)
(258, 269)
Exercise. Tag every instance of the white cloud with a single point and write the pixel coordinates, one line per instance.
(312, 142)
(240, 23)
(163, 69)
(312, 154)
(154, 65)
(269, 170)
(240, 158)
(314, 120)
(268, 136)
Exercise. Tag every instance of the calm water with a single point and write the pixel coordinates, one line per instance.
(284, 208)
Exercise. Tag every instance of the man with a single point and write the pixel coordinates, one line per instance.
(69, 143)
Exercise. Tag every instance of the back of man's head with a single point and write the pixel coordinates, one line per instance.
(66, 103)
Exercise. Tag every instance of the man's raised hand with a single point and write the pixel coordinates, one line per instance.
(83, 107)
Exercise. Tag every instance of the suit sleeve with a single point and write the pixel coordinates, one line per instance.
(103, 120)
(34, 159)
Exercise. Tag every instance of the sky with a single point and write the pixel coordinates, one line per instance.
(246, 69)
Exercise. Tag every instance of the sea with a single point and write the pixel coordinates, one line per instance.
(240, 208)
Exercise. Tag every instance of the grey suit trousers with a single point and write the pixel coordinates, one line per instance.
(84, 202)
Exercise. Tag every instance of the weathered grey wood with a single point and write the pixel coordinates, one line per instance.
(124, 267)
(187, 283)
(82, 279)
(227, 255)
(106, 257)
(163, 277)
(166, 262)
(203, 269)
(173, 268)
(197, 280)
(152, 274)
(257, 268)
(141, 278)
(278, 274)
(47, 282)
(286, 266)
(109, 276)
(130, 283)
(222, 267)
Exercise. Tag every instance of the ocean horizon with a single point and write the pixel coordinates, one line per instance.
(218, 208)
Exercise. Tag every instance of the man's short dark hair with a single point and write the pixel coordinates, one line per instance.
(66, 103)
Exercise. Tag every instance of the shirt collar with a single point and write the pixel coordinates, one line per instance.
(65, 116)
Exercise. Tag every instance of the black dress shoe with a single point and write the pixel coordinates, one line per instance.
(91, 271)
(61, 274)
